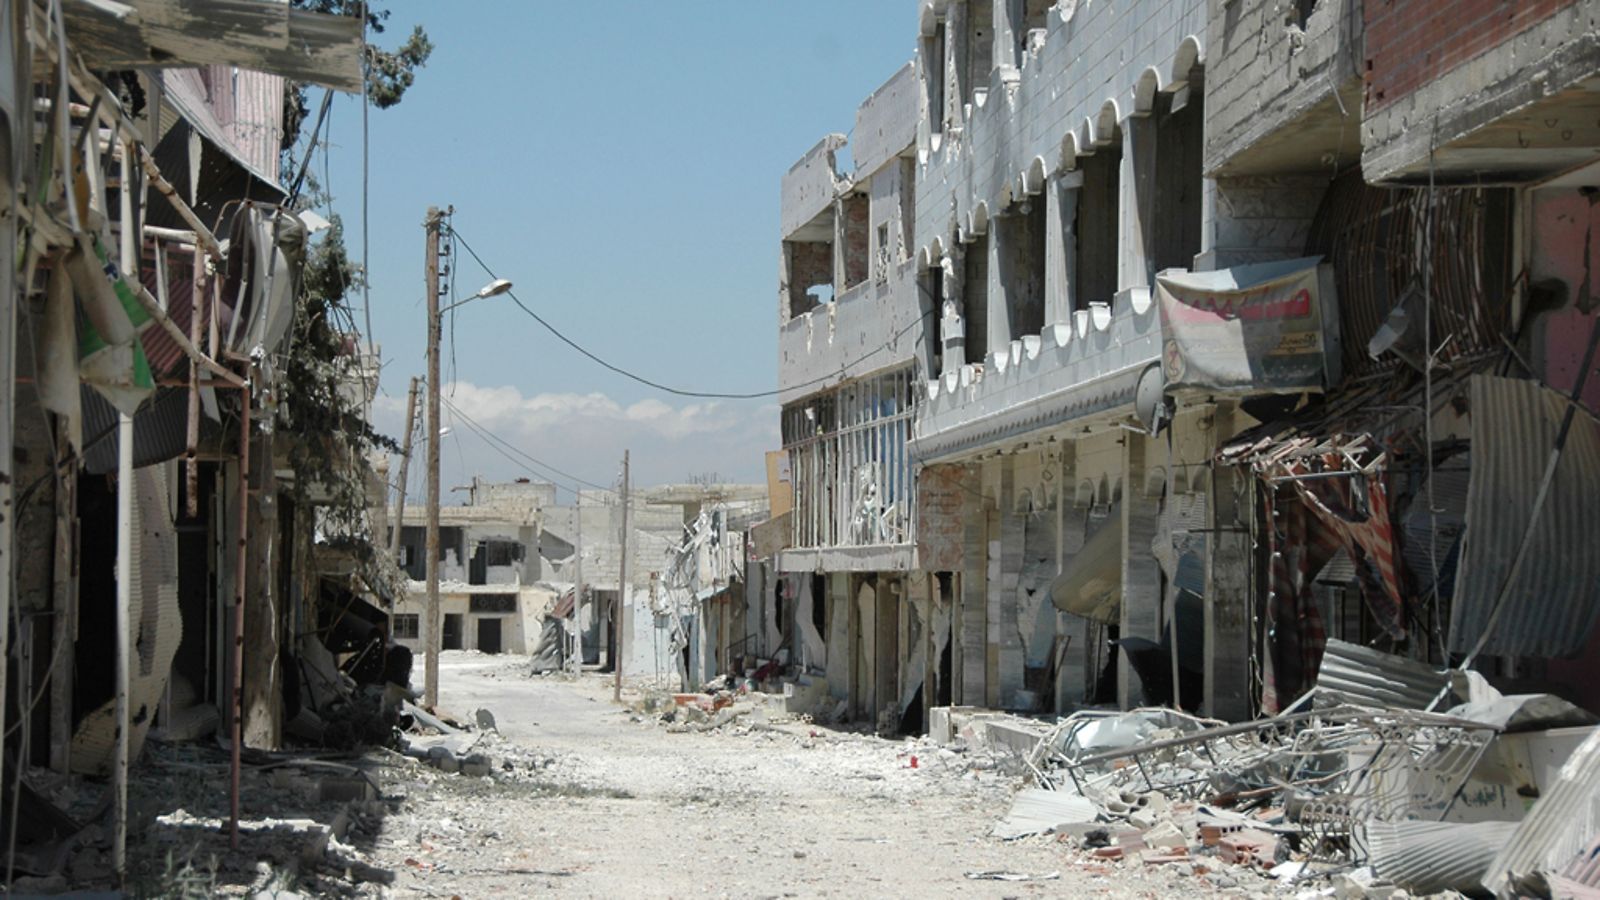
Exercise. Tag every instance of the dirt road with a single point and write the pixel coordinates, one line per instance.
(590, 799)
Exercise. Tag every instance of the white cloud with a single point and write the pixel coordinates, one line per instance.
(585, 434)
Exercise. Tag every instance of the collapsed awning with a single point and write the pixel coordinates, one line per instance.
(1091, 583)
(252, 34)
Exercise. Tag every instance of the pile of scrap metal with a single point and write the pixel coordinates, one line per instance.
(1474, 799)
(351, 676)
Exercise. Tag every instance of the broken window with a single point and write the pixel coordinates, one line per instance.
(930, 296)
(406, 626)
(851, 466)
(1173, 229)
(908, 202)
(855, 212)
(808, 276)
(1099, 197)
(881, 259)
(503, 553)
(1302, 12)
(975, 298)
(1021, 235)
(492, 603)
(819, 603)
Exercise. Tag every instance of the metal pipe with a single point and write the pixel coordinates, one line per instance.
(192, 430)
(242, 561)
(119, 772)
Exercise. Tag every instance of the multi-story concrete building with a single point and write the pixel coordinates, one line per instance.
(849, 328)
(1189, 272)
(490, 570)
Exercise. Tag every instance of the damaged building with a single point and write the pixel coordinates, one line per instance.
(183, 563)
(1148, 347)
(491, 594)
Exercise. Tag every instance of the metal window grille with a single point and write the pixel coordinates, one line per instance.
(849, 458)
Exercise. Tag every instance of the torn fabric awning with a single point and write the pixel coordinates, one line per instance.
(1250, 329)
(1090, 585)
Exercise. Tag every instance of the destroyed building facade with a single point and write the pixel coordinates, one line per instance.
(490, 570)
(1170, 285)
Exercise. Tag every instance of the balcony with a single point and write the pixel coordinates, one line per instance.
(1087, 371)
(873, 326)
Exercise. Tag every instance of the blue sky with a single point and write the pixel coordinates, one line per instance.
(620, 162)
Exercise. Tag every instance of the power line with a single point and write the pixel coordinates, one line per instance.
(682, 392)
(489, 435)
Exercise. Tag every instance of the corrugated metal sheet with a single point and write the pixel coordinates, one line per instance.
(1440, 531)
(257, 124)
(1552, 605)
(1558, 828)
(1355, 674)
(1038, 811)
(163, 352)
(160, 429)
(1429, 857)
(232, 120)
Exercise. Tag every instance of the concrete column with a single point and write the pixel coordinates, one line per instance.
(839, 236)
(1005, 571)
(952, 320)
(1137, 182)
(1141, 574)
(1227, 606)
(1072, 678)
(974, 600)
(1008, 25)
(999, 299)
(958, 75)
(1061, 246)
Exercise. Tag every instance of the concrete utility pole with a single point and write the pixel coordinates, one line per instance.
(622, 588)
(430, 690)
(405, 468)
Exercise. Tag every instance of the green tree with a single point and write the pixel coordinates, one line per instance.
(389, 72)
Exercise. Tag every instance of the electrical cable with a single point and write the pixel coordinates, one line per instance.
(682, 392)
(490, 436)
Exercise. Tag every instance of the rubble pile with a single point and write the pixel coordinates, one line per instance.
(1342, 801)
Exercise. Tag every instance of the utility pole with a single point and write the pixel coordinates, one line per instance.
(577, 590)
(405, 467)
(430, 691)
(622, 588)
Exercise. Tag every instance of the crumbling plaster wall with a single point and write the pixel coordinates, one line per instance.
(1266, 69)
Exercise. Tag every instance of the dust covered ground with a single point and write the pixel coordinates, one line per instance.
(588, 798)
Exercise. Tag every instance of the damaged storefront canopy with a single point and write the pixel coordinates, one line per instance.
(1250, 329)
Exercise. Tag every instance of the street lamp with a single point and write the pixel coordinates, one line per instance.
(494, 288)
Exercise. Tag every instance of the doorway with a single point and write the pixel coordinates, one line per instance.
(451, 639)
(489, 635)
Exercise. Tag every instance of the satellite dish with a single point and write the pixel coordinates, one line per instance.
(1149, 399)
